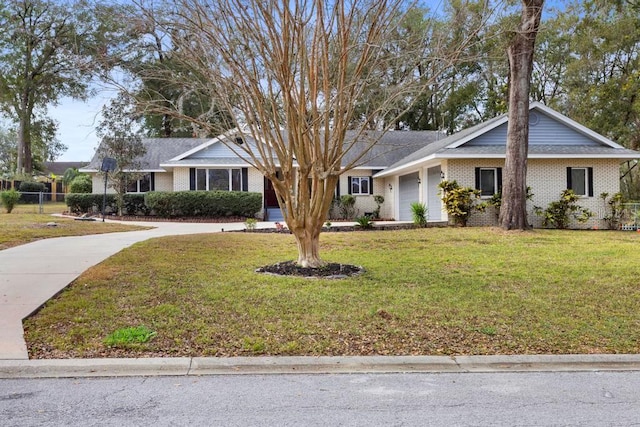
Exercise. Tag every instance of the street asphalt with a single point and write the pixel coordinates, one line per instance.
(33, 273)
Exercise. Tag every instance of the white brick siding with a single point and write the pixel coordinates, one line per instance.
(163, 181)
(181, 179)
(365, 203)
(256, 181)
(547, 179)
(97, 180)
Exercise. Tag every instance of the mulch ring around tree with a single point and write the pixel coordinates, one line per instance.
(328, 271)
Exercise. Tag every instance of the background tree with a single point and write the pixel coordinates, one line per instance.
(7, 152)
(513, 211)
(293, 75)
(48, 50)
(121, 139)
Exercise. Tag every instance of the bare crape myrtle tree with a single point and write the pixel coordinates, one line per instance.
(295, 76)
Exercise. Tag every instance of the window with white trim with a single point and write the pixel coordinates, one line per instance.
(141, 185)
(580, 180)
(219, 179)
(488, 181)
(360, 185)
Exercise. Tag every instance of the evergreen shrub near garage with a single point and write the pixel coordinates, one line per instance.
(209, 204)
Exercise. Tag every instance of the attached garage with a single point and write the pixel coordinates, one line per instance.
(408, 193)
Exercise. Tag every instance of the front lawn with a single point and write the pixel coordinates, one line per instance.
(427, 291)
(25, 225)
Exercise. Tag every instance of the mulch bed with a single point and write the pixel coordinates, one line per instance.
(330, 270)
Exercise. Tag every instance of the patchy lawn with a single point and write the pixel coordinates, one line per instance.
(25, 225)
(424, 292)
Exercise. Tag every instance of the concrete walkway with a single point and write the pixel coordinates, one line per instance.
(33, 273)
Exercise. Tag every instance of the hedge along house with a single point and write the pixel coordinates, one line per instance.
(189, 164)
(562, 155)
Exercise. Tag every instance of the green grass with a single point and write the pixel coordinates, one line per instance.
(425, 291)
(25, 225)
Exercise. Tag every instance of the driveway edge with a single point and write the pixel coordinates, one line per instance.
(185, 366)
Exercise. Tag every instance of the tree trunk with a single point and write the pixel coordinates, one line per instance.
(513, 211)
(24, 162)
(308, 241)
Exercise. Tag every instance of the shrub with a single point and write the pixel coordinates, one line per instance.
(250, 224)
(134, 204)
(558, 214)
(419, 214)
(347, 206)
(81, 184)
(379, 200)
(203, 203)
(615, 209)
(364, 222)
(9, 199)
(80, 203)
(460, 202)
(29, 187)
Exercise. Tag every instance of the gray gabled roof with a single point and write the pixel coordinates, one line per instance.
(454, 146)
(390, 148)
(158, 151)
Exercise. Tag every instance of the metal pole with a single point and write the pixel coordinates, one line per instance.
(104, 196)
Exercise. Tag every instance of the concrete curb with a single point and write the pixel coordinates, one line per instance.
(71, 368)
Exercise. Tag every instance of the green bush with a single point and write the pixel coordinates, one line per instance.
(134, 204)
(80, 203)
(364, 222)
(460, 202)
(31, 187)
(419, 214)
(347, 206)
(379, 200)
(558, 214)
(81, 184)
(209, 204)
(28, 188)
(9, 199)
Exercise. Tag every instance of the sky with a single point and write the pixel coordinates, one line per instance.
(77, 119)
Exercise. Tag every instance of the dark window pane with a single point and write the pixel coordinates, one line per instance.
(487, 182)
(201, 179)
(219, 179)
(236, 180)
(355, 185)
(145, 183)
(578, 181)
(132, 187)
(364, 185)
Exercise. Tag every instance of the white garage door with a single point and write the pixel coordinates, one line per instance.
(408, 193)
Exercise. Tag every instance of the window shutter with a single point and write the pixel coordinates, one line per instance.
(590, 178)
(499, 172)
(245, 179)
(348, 185)
(477, 178)
(192, 179)
(569, 184)
(338, 189)
(371, 185)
